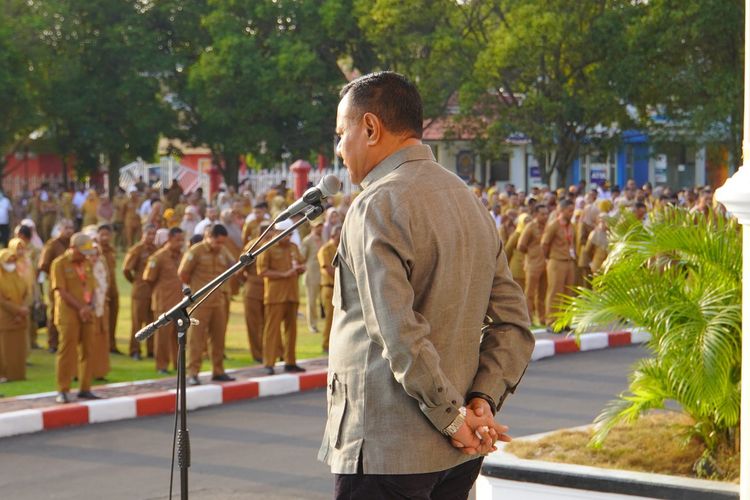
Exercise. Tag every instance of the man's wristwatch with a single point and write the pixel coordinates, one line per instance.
(457, 423)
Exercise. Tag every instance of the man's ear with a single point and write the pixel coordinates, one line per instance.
(373, 127)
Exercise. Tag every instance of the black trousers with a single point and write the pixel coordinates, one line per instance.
(4, 234)
(451, 484)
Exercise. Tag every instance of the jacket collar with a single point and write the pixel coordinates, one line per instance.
(395, 160)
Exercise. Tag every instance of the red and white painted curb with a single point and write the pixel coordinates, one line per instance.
(545, 348)
(156, 403)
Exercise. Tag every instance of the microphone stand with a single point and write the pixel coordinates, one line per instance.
(181, 316)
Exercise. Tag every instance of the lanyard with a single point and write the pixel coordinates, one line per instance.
(81, 272)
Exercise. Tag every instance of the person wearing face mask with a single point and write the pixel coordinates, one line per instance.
(200, 264)
(14, 318)
(74, 286)
(53, 249)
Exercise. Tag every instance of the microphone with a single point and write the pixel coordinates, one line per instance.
(328, 186)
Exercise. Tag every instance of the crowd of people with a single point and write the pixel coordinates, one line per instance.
(555, 240)
(58, 267)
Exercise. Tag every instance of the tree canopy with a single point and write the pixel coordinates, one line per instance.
(104, 79)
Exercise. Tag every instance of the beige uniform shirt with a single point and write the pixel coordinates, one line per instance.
(531, 243)
(417, 274)
(161, 274)
(203, 264)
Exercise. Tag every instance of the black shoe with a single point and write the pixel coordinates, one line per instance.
(52, 350)
(151, 355)
(87, 395)
(100, 379)
(62, 398)
(269, 370)
(115, 351)
(223, 378)
(294, 369)
(194, 380)
(136, 356)
(163, 372)
(35, 346)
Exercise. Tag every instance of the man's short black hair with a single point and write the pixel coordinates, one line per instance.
(564, 203)
(104, 227)
(390, 97)
(218, 230)
(640, 205)
(539, 207)
(175, 231)
(24, 231)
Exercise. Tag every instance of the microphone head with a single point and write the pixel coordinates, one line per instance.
(329, 185)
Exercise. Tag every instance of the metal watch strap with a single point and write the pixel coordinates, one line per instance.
(457, 423)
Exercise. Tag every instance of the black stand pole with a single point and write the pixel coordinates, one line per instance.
(181, 316)
(183, 437)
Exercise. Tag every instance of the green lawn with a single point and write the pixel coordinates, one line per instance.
(40, 374)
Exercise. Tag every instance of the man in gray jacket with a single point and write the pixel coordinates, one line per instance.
(430, 332)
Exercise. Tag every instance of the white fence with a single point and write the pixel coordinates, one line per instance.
(160, 175)
(262, 181)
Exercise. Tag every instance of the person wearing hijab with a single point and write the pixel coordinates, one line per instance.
(597, 246)
(25, 267)
(516, 258)
(90, 208)
(14, 317)
(333, 219)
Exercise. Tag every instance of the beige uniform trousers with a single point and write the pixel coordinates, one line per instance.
(165, 347)
(211, 330)
(254, 323)
(75, 350)
(536, 289)
(326, 296)
(274, 315)
(141, 315)
(561, 275)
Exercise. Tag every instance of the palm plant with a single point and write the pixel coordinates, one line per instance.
(678, 278)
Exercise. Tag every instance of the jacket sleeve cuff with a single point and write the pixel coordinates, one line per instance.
(442, 416)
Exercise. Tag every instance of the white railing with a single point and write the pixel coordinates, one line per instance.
(160, 175)
(262, 181)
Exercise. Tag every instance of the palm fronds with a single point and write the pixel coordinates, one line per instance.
(679, 278)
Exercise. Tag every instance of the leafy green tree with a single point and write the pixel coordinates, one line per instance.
(679, 278)
(685, 61)
(267, 82)
(546, 70)
(98, 80)
(17, 114)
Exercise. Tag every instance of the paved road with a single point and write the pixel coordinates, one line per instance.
(266, 448)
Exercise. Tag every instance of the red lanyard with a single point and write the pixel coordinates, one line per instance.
(81, 272)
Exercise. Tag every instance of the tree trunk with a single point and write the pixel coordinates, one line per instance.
(231, 170)
(114, 174)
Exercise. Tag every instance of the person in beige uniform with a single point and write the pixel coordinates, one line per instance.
(536, 274)
(252, 298)
(73, 285)
(140, 296)
(161, 273)
(430, 332)
(131, 219)
(558, 246)
(53, 249)
(14, 317)
(280, 267)
(112, 309)
(516, 258)
(309, 249)
(325, 256)
(200, 264)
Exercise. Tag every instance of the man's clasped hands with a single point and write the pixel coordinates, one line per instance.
(479, 432)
